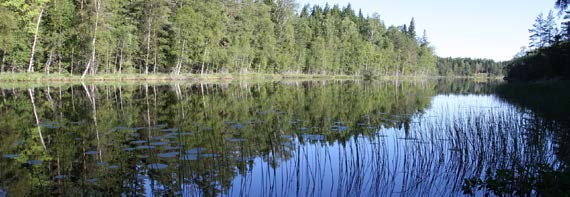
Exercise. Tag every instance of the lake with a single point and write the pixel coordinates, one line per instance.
(286, 138)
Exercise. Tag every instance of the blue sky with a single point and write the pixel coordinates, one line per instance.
(494, 29)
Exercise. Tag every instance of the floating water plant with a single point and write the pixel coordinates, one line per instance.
(168, 155)
(157, 166)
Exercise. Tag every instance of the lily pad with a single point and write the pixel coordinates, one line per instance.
(129, 149)
(161, 126)
(168, 155)
(208, 155)
(171, 148)
(120, 128)
(156, 138)
(158, 143)
(189, 157)
(145, 147)
(286, 136)
(34, 162)
(59, 177)
(138, 142)
(238, 126)
(170, 130)
(195, 150)
(157, 166)
(235, 139)
(10, 156)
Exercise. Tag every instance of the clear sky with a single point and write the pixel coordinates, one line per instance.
(494, 29)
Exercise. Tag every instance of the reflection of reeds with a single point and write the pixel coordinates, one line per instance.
(433, 158)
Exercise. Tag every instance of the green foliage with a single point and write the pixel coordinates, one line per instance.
(216, 36)
(544, 63)
(469, 67)
(544, 31)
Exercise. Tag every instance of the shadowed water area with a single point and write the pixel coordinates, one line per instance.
(305, 138)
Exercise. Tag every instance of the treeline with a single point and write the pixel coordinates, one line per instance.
(469, 67)
(551, 62)
(196, 36)
(549, 54)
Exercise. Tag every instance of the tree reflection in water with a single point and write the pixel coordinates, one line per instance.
(312, 138)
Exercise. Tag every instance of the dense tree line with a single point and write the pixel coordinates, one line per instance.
(196, 36)
(468, 67)
(549, 56)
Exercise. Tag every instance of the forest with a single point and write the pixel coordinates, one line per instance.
(91, 37)
(548, 56)
(469, 67)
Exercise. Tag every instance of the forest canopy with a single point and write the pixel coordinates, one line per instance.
(195, 36)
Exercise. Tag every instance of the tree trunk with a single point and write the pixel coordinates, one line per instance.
(31, 65)
(121, 58)
(155, 52)
(58, 62)
(92, 60)
(81, 10)
(179, 65)
(3, 60)
(203, 59)
(31, 92)
(108, 69)
(148, 44)
(48, 63)
(71, 64)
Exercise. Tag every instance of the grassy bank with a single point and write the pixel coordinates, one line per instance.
(42, 77)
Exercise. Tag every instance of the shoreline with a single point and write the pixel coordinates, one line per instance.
(42, 77)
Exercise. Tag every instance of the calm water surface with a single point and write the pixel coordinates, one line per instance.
(314, 138)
